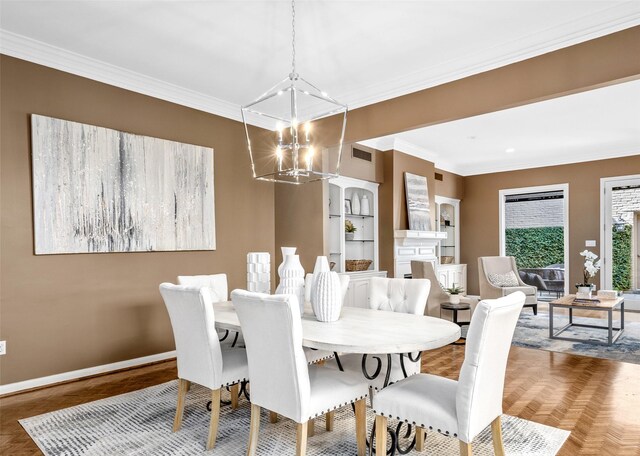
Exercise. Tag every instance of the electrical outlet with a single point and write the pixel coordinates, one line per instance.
(3, 347)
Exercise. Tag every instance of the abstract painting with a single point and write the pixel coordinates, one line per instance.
(102, 190)
(417, 202)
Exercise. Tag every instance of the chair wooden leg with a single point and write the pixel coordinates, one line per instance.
(311, 427)
(496, 432)
(419, 438)
(183, 387)
(301, 439)
(361, 426)
(465, 449)
(329, 421)
(381, 434)
(254, 428)
(234, 390)
(215, 416)
(273, 417)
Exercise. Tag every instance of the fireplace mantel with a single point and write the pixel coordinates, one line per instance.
(414, 245)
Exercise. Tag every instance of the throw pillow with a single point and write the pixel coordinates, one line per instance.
(504, 280)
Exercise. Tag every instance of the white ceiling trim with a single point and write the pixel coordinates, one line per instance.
(389, 143)
(25, 48)
(614, 19)
(561, 158)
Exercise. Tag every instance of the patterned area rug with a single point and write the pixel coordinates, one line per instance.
(533, 332)
(139, 423)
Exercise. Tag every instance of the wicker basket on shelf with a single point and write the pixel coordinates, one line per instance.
(357, 265)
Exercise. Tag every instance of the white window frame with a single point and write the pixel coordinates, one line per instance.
(606, 241)
(502, 194)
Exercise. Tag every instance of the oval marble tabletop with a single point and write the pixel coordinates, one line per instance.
(363, 330)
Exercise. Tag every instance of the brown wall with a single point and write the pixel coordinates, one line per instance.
(392, 198)
(451, 185)
(585, 66)
(67, 312)
(479, 210)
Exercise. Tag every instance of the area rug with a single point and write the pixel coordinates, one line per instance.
(139, 423)
(533, 332)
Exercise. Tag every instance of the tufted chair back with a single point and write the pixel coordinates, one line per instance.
(216, 282)
(481, 381)
(399, 295)
(277, 364)
(192, 319)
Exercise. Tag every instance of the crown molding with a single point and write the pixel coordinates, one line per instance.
(25, 48)
(392, 143)
(561, 158)
(614, 19)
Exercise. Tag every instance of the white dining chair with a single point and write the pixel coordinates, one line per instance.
(217, 283)
(463, 408)
(281, 380)
(200, 358)
(317, 356)
(392, 295)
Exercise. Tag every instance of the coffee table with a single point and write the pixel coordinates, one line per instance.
(604, 305)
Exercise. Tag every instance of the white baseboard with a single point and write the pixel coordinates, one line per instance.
(76, 374)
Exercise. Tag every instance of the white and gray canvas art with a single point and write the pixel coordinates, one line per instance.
(101, 190)
(417, 202)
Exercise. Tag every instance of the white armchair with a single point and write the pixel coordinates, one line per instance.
(201, 360)
(463, 408)
(394, 295)
(217, 283)
(495, 268)
(281, 379)
(437, 294)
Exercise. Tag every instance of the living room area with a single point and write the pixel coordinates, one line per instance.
(472, 189)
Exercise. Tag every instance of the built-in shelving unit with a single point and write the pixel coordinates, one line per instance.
(448, 218)
(449, 270)
(364, 245)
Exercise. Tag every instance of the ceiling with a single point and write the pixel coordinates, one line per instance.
(217, 55)
(602, 123)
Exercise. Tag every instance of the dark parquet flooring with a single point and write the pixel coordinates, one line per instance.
(597, 400)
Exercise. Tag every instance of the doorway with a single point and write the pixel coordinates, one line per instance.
(534, 229)
(620, 237)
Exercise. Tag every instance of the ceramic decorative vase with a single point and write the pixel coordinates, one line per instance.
(328, 297)
(355, 204)
(454, 299)
(364, 206)
(259, 272)
(285, 251)
(322, 265)
(349, 236)
(292, 279)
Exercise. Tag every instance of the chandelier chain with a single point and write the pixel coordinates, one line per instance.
(293, 36)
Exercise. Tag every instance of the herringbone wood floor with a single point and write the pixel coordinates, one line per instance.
(597, 400)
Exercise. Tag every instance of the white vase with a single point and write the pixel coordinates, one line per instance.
(328, 302)
(322, 265)
(292, 279)
(454, 299)
(355, 204)
(364, 206)
(285, 251)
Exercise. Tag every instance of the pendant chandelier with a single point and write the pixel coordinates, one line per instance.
(294, 130)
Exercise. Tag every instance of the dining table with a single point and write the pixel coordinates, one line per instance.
(368, 332)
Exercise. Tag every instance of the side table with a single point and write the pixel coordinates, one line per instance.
(455, 308)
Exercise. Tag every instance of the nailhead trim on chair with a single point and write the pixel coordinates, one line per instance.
(338, 406)
(414, 423)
